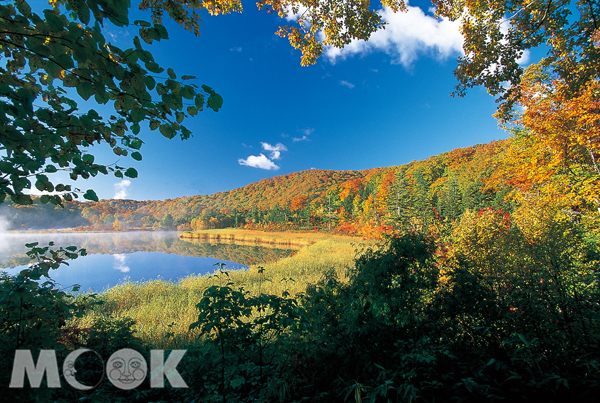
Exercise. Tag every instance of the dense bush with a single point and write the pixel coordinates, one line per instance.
(491, 307)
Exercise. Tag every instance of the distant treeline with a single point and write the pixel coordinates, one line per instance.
(358, 202)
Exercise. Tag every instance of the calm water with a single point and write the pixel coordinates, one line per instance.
(134, 256)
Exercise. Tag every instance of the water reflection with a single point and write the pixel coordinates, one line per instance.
(136, 256)
(12, 246)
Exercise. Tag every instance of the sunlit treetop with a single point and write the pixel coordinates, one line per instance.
(497, 33)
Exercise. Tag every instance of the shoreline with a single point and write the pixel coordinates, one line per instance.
(232, 235)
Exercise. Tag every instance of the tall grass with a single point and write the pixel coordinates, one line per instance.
(163, 310)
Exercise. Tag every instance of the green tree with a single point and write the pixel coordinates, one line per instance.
(399, 201)
(167, 221)
(422, 204)
(44, 131)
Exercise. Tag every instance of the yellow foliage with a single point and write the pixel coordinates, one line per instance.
(556, 157)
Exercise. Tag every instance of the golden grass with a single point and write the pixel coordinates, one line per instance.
(258, 237)
(160, 307)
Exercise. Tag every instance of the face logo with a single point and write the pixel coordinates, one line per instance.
(69, 368)
(70, 372)
(126, 369)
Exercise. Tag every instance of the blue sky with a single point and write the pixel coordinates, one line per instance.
(377, 104)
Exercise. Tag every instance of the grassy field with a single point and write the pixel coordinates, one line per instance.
(160, 308)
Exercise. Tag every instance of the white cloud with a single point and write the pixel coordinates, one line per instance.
(303, 138)
(275, 150)
(120, 263)
(237, 49)
(291, 16)
(260, 161)
(347, 84)
(524, 59)
(263, 162)
(406, 37)
(121, 189)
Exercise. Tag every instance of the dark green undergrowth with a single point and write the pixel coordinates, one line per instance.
(484, 311)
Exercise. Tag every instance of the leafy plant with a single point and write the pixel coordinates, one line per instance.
(245, 329)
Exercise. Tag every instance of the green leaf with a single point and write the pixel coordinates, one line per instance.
(142, 23)
(162, 32)
(167, 131)
(40, 185)
(136, 156)
(136, 42)
(150, 83)
(154, 68)
(23, 7)
(135, 128)
(85, 90)
(131, 173)
(136, 144)
(90, 195)
(54, 22)
(171, 73)
(137, 114)
(215, 102)
(199, 101)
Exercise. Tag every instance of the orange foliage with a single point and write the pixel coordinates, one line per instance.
(350, 187)
(298, 203)
(559, 156)
(460, 156)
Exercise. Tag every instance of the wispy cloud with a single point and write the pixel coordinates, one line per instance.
(262, 161)
(347, 84)
(406, 37)
(118, 36)
(121, 189)
(237, 49)
(307, 131)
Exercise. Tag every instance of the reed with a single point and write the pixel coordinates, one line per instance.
(163, 310)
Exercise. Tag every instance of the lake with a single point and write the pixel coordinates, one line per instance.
(133, 256)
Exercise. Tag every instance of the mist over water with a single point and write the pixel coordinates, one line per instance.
(4, 226)
(113, 258)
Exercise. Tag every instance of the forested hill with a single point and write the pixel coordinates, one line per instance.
(441, 187)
